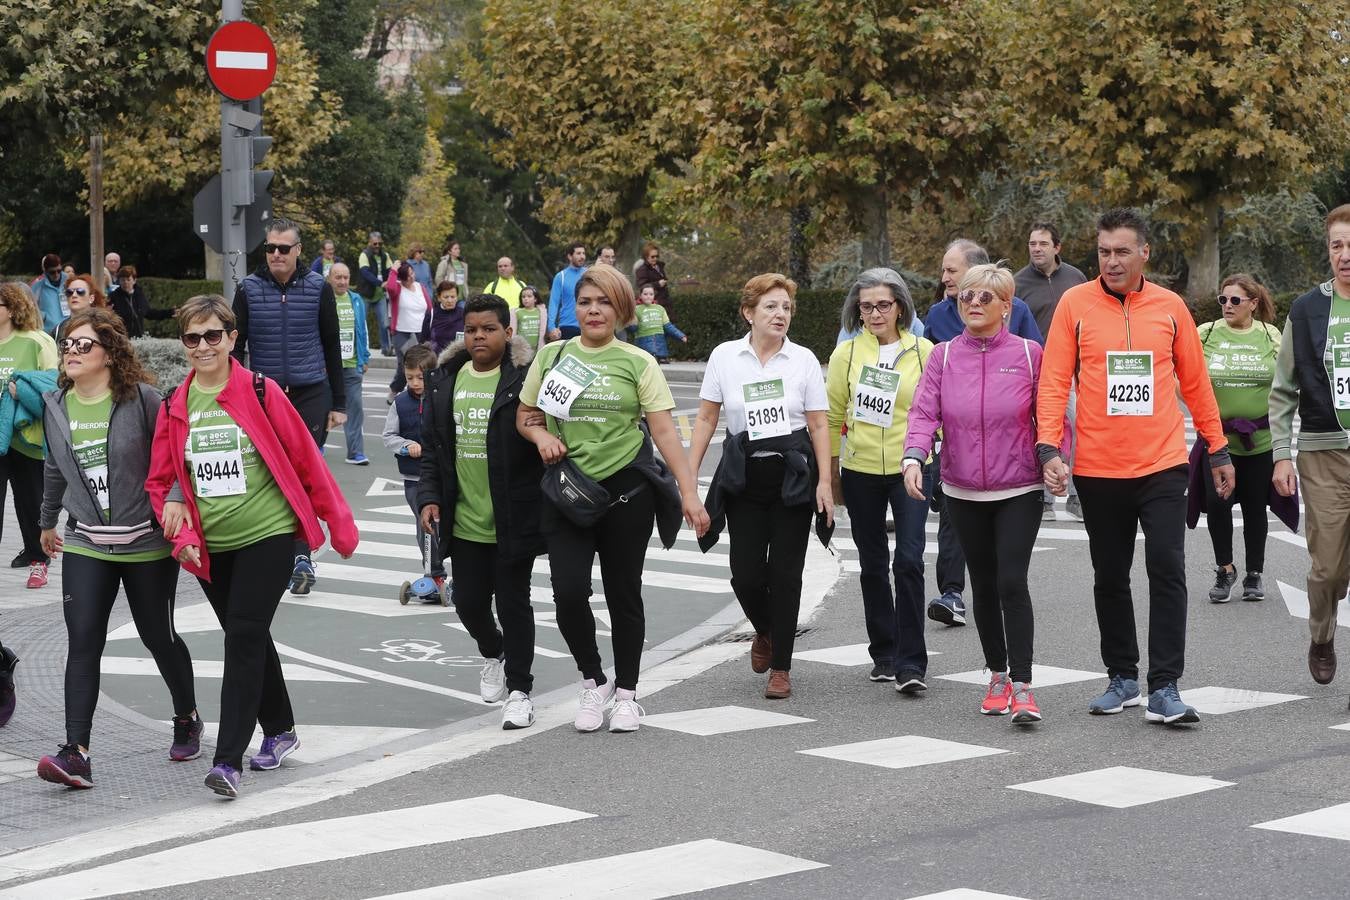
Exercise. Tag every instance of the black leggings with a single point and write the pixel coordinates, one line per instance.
(620, 539)
(1251, 493)
(997, 537)
(244, 590)
(24, 475)
(768, 553)
(90, 588)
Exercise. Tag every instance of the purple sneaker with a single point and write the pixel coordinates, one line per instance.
(224, 780)
(273, 750)
(187, 739)
(68, 767)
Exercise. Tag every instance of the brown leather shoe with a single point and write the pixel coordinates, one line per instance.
(761, 653)
(1322, 661)
(779, 687)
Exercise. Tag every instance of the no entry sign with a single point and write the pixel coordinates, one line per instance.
(241, 60)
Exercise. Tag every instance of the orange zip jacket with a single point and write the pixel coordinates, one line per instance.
(1089, 322)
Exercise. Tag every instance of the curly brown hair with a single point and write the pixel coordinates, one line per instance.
(125, 367)
(22, 307)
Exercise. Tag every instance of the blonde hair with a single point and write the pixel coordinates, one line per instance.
(997, 277)
(22, 307)
(761, 284)
(616, 289)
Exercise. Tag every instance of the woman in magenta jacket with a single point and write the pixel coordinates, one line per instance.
(410, 312)
(233, 478)
(979, 389)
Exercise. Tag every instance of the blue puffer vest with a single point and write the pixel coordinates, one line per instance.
(410, 429)
(283, 327)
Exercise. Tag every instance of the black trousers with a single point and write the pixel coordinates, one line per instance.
(1113, 511)
(1251, 493)
(768, 553)
(244, 590)
(480, 573)
(620, 540)
(24, 476)
(950, 568)
(90, 587)
(997, 537)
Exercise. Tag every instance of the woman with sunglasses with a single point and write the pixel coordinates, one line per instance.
(1240, 351)
(100, 425)
(870, 385)
(28, 360)
(979, 390)
(81, 293)
(234, 476)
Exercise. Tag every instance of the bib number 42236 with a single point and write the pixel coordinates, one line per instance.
(1129, 383)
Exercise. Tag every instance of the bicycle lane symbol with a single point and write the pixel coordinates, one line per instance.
(418, 650)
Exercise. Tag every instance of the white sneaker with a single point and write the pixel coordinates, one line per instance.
(594, 699)
(626, 713)
(492, 681)
(518, 711)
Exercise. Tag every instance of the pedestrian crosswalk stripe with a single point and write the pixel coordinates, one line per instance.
(374, 675)
(1220, 700)
(966, 894)
(538, 650)
(301, 844)
(903, 752)
(214, 668)
(386, 606)
(847, 655)
(640, 875)
(1119, 787)
(1331, 822)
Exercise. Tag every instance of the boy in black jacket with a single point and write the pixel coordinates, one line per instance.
(485, 477)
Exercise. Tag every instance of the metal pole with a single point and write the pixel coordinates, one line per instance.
(233, 256)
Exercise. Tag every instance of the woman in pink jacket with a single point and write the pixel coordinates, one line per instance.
(979, 389)
(233, 478)
(410, 310)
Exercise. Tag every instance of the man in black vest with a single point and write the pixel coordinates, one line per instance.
(294, 341)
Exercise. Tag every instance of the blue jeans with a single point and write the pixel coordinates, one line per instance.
(895, 618)
(356, 413)
(382, 320)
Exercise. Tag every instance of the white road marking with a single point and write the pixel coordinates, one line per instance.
(1041, 676)
(374, 675)
(641, 875)
(186, 620)
(305, 843)
(721, 720)
(213, 668)
(1119, 787)
(386, 607)
(903, 752)
(1331, 822)
(1296, 601)
(1220, 700)
(386, 487)
(538, 651)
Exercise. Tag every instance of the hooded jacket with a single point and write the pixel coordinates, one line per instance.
(514, 467)
(48, 297)
(285, 446)
(21, 415)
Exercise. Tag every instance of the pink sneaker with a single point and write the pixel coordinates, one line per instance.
(999, 697)
(37, 575)
(594, 699)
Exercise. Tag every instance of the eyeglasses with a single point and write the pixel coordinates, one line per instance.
(283, 249)
(969, 297)
(80, 345)
(1235, 301)
(193, 339)
(881, 306)
(76, 292)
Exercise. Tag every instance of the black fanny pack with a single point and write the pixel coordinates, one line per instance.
(582, 500)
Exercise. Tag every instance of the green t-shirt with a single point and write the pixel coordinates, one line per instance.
(1241, 369)
(26, 351)
(239, 501)
(347, 330)
(1337, 358)
(474, 393)
(623, 383)
(89, 441)
(527, 323)
(651, 319)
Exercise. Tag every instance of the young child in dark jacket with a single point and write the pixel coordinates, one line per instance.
(403, 432)
(447, 316)
(480, 480)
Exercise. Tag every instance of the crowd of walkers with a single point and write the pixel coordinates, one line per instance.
(524, 430)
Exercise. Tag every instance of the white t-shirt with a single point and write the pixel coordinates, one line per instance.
(412, 309)
(734, 364)
(887, 354)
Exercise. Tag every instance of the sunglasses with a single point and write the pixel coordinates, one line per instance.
(969, 297)
(193, 339)
(76, 292)
(1235, 301)
(882, 306)
(81, 345)
(283, 249)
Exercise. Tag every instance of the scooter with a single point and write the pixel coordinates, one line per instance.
(425, 589)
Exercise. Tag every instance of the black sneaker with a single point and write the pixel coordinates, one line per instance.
(20, 561)
(882, 672)
(1224, 579)
(302, 576)
(1252, 588)
(910, 683)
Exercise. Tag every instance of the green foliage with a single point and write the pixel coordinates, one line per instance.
(169, 293)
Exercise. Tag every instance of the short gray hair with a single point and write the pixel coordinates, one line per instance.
(975, 254)
(850, 318)
(280, 224)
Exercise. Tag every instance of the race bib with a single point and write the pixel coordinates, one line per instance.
(459, 277)
(1129, 382)
(93, 460)
(1340, 377)
(563, 384)
(874, 399)
(766, 414)
(347, 342)
(217, 462)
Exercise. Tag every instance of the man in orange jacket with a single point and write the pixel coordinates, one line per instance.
(1132, 344)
